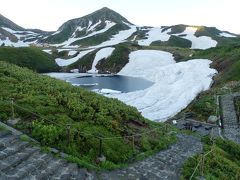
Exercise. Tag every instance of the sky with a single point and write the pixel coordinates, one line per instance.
(50, 14)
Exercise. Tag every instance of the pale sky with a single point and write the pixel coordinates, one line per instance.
(50, 14)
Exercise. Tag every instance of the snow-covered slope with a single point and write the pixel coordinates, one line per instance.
(175, 84)
(101, 54)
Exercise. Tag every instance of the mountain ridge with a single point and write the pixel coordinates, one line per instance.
(106, 27)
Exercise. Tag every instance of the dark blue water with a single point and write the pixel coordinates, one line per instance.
(116, 82)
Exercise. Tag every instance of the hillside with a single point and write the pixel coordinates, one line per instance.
(46, 105)
(31, 58)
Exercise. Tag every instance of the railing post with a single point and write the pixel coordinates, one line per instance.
(202, 165)
(12, 107)
(68, 133)
(100, 146)
(133, 144)
(166, 128)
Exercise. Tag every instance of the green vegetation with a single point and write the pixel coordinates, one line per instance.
(25, 138)
(203, 106)
(118, 59)
(222, 163)
(174, 41)
(177, 29)
(61, 36)
(47, 106)
(32, 58)
(2, 128)
(206, 31)
(84, 64)
(141, 34)
(226, 60)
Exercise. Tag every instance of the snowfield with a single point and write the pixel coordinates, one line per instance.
(225, 34)
(19, 35)
(155, 34)
(66, 62)
(202, 42)
(8, 42)
(175, 84)
(101, 54)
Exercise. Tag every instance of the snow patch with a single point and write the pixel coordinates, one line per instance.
(66, 62)
(101, 54)
(155, 34)
(49, 51)
(106, 91)
(92, 28)
(175, 84)
(55, 33)
(65, 76)
(71, 53)
(225, 34)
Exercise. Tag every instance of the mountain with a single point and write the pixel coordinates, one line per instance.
(101, 24)
(106, 27)
(14, 35)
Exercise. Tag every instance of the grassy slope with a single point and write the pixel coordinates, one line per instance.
(174, 41)
(31, 58)
(88, 113)
(223, 163)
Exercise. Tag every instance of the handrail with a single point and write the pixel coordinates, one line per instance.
(201, 161)
(87, 134)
